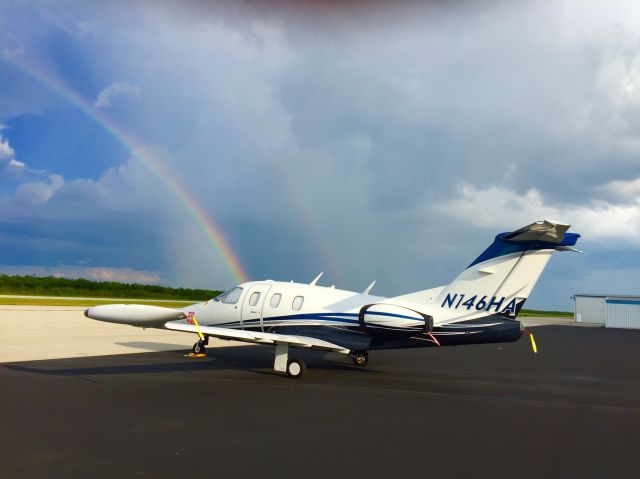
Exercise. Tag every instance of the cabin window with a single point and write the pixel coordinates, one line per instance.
(253, 300)
(275, 300)
(230, 297)
(297, 303)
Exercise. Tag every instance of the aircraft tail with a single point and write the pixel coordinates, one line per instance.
(501, 279)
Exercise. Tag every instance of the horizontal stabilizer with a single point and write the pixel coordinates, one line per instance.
(536, 236)
(568, 248)
(541, 232)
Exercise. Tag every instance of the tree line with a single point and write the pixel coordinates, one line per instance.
(51, 286)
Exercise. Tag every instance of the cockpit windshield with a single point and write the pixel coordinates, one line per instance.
(229, 297)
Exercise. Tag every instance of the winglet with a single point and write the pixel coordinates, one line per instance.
(369, 288)
(313, 283)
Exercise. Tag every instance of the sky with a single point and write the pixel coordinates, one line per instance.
(199, 144)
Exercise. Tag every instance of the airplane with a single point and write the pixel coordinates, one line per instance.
(480, 306)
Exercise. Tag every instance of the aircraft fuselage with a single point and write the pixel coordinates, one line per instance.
(336, 316)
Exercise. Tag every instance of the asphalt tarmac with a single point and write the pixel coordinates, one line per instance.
(493, 411)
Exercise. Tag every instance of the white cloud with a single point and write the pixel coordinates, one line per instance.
(8, 155)
(115, 90)
(622, 190)
(6, 152)
(501, 207)
(39, 191)
(276, 125)
(16, 164)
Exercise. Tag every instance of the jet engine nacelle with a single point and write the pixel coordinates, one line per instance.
(392, 320)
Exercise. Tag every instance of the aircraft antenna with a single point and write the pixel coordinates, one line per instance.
(369, 288)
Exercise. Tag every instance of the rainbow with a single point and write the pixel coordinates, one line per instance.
(187, 201)
(301, 206)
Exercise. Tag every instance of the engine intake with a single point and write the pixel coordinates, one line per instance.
(392, 320)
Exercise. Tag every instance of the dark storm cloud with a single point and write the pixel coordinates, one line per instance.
(386, 141)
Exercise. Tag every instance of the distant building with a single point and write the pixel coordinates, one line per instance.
(610, 310)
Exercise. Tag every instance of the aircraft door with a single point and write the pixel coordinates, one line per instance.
(253, 305)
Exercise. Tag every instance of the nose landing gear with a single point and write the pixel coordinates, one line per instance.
(199, 349)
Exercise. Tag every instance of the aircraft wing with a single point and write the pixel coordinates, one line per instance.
(258, 337)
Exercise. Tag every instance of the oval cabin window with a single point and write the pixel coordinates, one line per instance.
(275, 300)
(298, 301)
(253, 300)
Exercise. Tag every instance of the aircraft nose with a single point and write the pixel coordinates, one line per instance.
(86, 312)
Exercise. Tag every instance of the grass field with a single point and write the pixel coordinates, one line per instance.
(53, 301)
(546, 314)
(36, 286)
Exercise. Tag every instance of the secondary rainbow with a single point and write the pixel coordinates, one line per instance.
(188, 202)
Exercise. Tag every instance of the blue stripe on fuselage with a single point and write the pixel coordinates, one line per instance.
(333, 317)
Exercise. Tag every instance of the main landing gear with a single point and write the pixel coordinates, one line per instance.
(296, 368)
(360, 358)
(293, 367)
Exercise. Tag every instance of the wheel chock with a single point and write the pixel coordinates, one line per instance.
(195, 356)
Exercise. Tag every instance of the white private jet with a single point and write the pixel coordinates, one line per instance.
(479, 306)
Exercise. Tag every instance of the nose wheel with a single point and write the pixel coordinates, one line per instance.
(199, 348)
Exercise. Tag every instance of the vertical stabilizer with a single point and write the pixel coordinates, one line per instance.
(502, 277)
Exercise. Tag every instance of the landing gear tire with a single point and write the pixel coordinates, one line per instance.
(360, 358)
(295, 368)
(199, 348)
